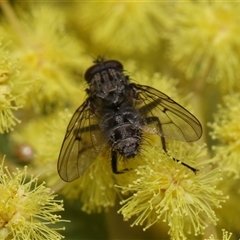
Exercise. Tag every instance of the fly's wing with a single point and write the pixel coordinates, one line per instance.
(80, 145)
(164, 116)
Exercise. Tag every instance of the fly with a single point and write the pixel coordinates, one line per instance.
(116, 114)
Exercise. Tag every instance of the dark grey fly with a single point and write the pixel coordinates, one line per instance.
(116, 113)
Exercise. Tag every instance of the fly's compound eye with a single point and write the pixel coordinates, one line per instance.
(101, 66)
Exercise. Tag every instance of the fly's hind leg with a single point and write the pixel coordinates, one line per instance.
(150, 120)
(114, 164)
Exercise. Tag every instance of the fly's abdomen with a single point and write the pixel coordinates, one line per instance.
(126, 139)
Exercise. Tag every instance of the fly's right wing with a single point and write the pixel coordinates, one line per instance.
(81, 143)
(166, 117)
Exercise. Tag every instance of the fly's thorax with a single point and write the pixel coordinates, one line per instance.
(109, 85)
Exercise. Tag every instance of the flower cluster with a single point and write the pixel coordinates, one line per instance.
(12, 90)
(203, 42)
(95, 188)
(226, 130)
(165, 190)
(47, 60)
(27, 210)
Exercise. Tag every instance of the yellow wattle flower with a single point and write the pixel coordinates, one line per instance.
(27, 209)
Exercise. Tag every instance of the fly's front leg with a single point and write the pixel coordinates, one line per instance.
(151, 120)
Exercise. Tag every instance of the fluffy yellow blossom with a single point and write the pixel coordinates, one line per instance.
(96, 188)
(226, 129)
(27, 210)
(204, 38)
(123, 27)
(12, 90)
(47, 56)
(165, 190)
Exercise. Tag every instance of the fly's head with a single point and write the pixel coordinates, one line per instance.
(106, 80)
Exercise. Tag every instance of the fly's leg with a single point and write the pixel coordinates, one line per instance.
(150, 120)
(114, 164)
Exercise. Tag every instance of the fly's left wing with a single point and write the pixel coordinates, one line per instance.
(164, 116)
(81, 143)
